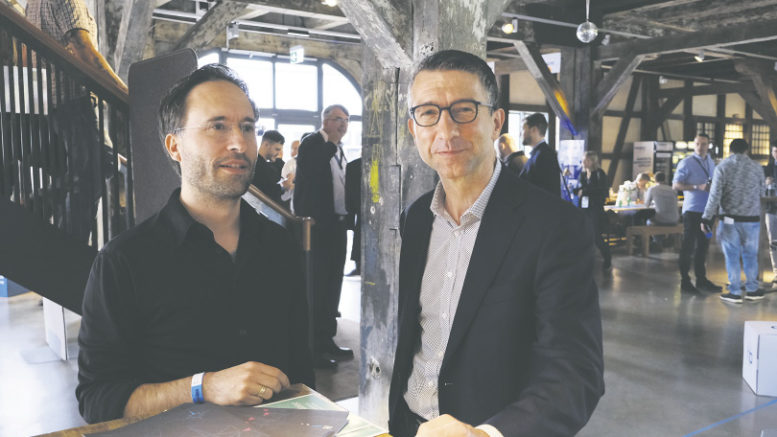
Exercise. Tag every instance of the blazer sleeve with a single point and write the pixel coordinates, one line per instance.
(566, 373)
(545, 173)
(312, 164)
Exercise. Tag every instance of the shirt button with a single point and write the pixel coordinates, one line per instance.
(440, 354)
(445, 316)
(430, 384)
(449, 274)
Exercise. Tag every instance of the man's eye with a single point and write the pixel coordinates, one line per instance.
(247, 128)
(217, 126)
(463, 110)
(428, 111)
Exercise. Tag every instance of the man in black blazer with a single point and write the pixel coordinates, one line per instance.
(542, 167)
(266, 173)
(320, 193)
(499, 329)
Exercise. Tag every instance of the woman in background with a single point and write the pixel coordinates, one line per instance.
(593, 191)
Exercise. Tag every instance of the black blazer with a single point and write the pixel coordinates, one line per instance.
(266, 177)
(525, 349)
(313, 193)
(353, 190)
(597, 188)
(543, 170)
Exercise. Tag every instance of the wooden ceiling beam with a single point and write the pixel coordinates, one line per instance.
(611, 83)
(708, 38)
(550, 87)
(721, 88)
(211, 25)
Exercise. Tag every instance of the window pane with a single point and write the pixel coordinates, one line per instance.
(338, 89)
(258, 76)
(210, 58)
(292, 132)
(297, 86)
(352, 142)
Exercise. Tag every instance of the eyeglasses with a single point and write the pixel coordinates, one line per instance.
(461, 112)
(220, 131)
(339, 119)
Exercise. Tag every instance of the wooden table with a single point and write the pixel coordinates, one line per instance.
(296, 390)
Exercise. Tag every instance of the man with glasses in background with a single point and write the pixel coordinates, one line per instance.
(319, 192)
(205, 301)
(499, 329)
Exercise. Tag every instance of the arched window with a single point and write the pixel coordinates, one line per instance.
(291, 97)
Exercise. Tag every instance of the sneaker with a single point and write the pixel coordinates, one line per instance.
(706, 285)
(687, 287)
(733, 298)
(755, 295)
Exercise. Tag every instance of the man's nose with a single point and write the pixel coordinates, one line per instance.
(239, 140)
(446, 125)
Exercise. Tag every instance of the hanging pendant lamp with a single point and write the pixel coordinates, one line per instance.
(587, 31)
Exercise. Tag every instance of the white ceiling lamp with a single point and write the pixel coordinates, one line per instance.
(510, 26)
(330, 3)
(700, 56)
(587, 32)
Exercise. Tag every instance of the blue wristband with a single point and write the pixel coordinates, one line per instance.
(197, 397)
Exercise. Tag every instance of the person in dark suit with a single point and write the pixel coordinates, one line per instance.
(320, 193)
(266, 174)
(499, 328)
(542, 167)
(511, 156)
(353, 195)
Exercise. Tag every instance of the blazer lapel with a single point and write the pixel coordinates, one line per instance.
(500, 222)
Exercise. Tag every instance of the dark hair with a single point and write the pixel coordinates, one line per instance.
(273, 136)
(537, 120)
(456, 60)
(660, 176)
(702, 134)
(738, 146)
(172, 108)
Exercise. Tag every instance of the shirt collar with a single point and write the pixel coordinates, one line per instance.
(536, 148)
(474, 212)
(184, 226)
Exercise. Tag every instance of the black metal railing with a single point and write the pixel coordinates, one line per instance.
(65, 154)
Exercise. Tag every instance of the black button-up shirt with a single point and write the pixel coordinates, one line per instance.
(165, 301)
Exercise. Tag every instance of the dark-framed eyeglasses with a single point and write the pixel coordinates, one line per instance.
(461, 112)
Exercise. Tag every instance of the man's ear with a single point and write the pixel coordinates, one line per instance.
(411, 126)
(499, 121)
(172, 145)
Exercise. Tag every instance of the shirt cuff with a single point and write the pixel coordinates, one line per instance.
(490, 430)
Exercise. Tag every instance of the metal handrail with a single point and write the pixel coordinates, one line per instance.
(52, 49)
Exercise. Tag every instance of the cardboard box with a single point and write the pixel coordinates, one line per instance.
(759, 360)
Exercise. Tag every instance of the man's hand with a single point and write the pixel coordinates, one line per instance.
(769, 180)
(706, 227)
(446, 425)
(702, 187)
(288, 183)
(249, 383)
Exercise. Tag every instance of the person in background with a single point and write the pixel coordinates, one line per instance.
(266, 175)
(770, 172)
(593, 191)
(510, 153)
(278, 162)
(287, 176)
(735, 196)
(693, 176)
(541, 169)
(664, 200)
(642, 180)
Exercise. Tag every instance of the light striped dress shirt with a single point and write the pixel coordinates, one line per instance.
(450, 250)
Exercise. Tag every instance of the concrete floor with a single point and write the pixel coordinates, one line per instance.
(672, 361)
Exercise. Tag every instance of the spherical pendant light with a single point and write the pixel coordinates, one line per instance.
(587, 32)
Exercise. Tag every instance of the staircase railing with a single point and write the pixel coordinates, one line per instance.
(65, 154)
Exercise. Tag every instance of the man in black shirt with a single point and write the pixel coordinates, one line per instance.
(542, 168)
(203, 302)
(267, 174)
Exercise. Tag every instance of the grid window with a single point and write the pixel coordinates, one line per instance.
(760, 144)
(733, 131)
(707, 127)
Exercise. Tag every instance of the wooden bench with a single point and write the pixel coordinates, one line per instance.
(648, 231)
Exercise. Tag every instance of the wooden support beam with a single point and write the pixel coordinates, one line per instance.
(612, 82)
(548, 84)
(766, 112)
(133, 34)
(507, 66)
(718, 37)
(721, 88)
(761, 76)
(624, 127)
(211, 25)
(495, 9)
(302, 8)
(441, 25)
(666, 109)
(380, 25)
